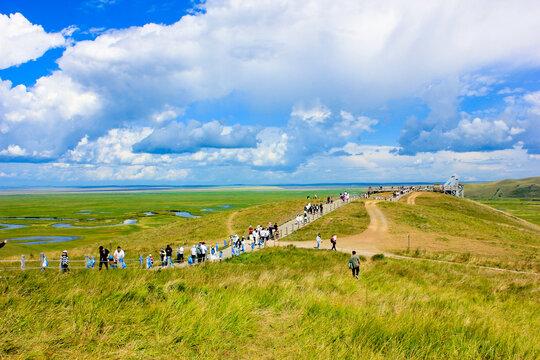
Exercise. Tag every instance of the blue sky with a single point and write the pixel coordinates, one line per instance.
(265, 92)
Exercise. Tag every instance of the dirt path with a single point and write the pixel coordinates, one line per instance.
(366, 243)
(230, 222)
(411, 200)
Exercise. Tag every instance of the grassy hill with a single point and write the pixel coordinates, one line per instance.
(279, 303)
(449, 228)
(519, 197)
(528, 188)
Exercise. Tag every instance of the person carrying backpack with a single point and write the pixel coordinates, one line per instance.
(199, 253)
(333, 240)
(168, 253)
(103, 257)
(354, 264)
(64, 261)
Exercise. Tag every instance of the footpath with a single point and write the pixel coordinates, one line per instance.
(365, 244)
(284, 230)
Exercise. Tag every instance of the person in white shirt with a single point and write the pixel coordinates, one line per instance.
(319, 240)
(119, 255)
(180, 255)
(204, 251)
(194, 253)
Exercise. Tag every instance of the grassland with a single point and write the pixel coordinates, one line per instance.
(528, 188)
(347, 220)
(525, 209)
(277, 303)
(448, 228)
(287, 303)
(520, 197)
(151, 232)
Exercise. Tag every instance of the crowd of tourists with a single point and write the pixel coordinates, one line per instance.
(199, 253)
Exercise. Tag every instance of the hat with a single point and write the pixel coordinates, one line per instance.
(65, 251)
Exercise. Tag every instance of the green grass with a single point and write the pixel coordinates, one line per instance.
(280, 303)
(525, 209)
(151, 232)
(528, 188)
(491, 238)
(345, 221)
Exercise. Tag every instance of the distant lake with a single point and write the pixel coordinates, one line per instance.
(126, 222)
(11, 226)
(45, 239)
(185, 214)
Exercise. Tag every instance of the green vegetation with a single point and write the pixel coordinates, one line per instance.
(528, 188)
(520, 197)
(347, 220)
(525, 209)
(275, 303)
(280, 302)
(472, 233)
(151, 232)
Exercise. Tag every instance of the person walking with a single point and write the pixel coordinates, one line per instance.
(180, 255)
(168, 254)
(333, 240)
(354, 264)
(204, 250)
(64, 261)
(3, 243)
(103, 257)
(319, 240)
(193, 253)
(199, 253)
(162, 256)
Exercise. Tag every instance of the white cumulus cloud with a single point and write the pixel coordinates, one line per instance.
(22, 41)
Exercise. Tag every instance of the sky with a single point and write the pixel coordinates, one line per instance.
(118, 92)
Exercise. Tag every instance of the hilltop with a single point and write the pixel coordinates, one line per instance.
(528, 188)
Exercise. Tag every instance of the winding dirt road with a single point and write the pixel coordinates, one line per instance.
(411, 200)
(366, 243)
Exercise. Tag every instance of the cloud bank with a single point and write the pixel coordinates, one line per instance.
(328, 63)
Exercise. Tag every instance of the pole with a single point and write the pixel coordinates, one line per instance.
(86, 261)
(408, 242)
(23, 262)
(41, 260)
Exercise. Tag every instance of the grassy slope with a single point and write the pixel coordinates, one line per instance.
(276, 303)
(528, 188)
(347, 220)
(449, 228)
(524, 209)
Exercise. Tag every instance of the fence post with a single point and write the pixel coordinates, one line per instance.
(86, 261)
(141, 259)
(41, 260)
(23, 262)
